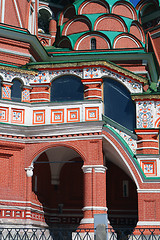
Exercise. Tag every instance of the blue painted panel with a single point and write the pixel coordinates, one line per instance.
(16, 91)
(118, 104)
(67, 88)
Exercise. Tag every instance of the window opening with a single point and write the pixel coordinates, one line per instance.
(93, 44)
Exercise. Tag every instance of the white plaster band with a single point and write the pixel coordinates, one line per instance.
(147, 148)
(94, 208)
(89, 83)
(87, 221)
(148, 223)
(94, 89)
(147, 141)
(147, 133)
(97, 168)
(39, 92)
(93, 96)
(148, 190)
(40, 99)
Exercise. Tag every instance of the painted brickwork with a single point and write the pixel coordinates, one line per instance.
(62, 162)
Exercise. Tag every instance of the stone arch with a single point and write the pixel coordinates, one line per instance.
(64, 42)
(126, 41)
(124, 9)
(77, 25)
(110, 22)
(67, 14)
(145, 7)
(137, 30)
(83, 43)
(59, 165)
(44, 16)
(119, 154)
(93, 7)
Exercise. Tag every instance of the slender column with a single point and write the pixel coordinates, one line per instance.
(94, 193)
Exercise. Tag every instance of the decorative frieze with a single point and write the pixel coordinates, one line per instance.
(145, 114)
(29, 115)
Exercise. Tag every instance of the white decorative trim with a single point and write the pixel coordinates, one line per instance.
(148, 223)
(148, 190)
(18, 14)
(94, 89)
(40, 99)
(3, 11)
(145, 140)
(97, 168)
(147, 148)
(39, 92)
(89, 83)
(87, 221)
(100, 97)
(147, 133)
(95, 208)
(87, 169)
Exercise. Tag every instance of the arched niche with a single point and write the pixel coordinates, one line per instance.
(44, 17)
(118, 104)
(93, 7)
(137, 31)
(67, 88)
(67, 14)
(77, 25)
(16, 90)
(84, 42)
(126, 41)
(124, 9)
(64, 42)
(110, 23)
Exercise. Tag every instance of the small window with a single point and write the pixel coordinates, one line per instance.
(16, 91)
(93, 44)
(125, 188)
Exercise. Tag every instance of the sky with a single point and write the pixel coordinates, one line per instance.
(134, 2)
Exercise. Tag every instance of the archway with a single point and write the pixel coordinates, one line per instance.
(57, 184)
(122, 199)
(118, 104)
(122, 182)
(67, 88)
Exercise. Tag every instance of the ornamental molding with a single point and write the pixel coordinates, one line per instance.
(91, 64)
(145, 97)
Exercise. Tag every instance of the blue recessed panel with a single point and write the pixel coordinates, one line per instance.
(16, 91)
(118, 104)
(67, 88)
